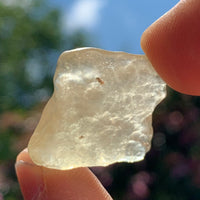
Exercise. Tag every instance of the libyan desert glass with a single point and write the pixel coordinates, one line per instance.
(100, 112)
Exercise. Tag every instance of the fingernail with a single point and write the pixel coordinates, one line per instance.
(30, 178)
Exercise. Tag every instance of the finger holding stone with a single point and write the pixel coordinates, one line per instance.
(172, 46)
(42, 183)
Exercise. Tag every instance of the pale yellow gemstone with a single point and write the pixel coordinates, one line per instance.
(100, 112)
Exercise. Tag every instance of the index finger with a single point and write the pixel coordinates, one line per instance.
(172, 44)
(41, 183)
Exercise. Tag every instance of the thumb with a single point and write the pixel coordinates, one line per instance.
(172, 44)
(39, 183)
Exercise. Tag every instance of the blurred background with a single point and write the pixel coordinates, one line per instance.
(33, 33)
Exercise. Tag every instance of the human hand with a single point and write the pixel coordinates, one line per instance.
(172, 44)
(39, 183)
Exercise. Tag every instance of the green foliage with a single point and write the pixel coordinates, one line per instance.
(6, 152)
(31, 40)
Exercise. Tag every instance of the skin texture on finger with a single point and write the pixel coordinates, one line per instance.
(172, 45)
(39, 183)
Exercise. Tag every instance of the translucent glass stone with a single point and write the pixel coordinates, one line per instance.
(100, 112)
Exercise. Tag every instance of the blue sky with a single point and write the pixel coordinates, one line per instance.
(112, 25)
